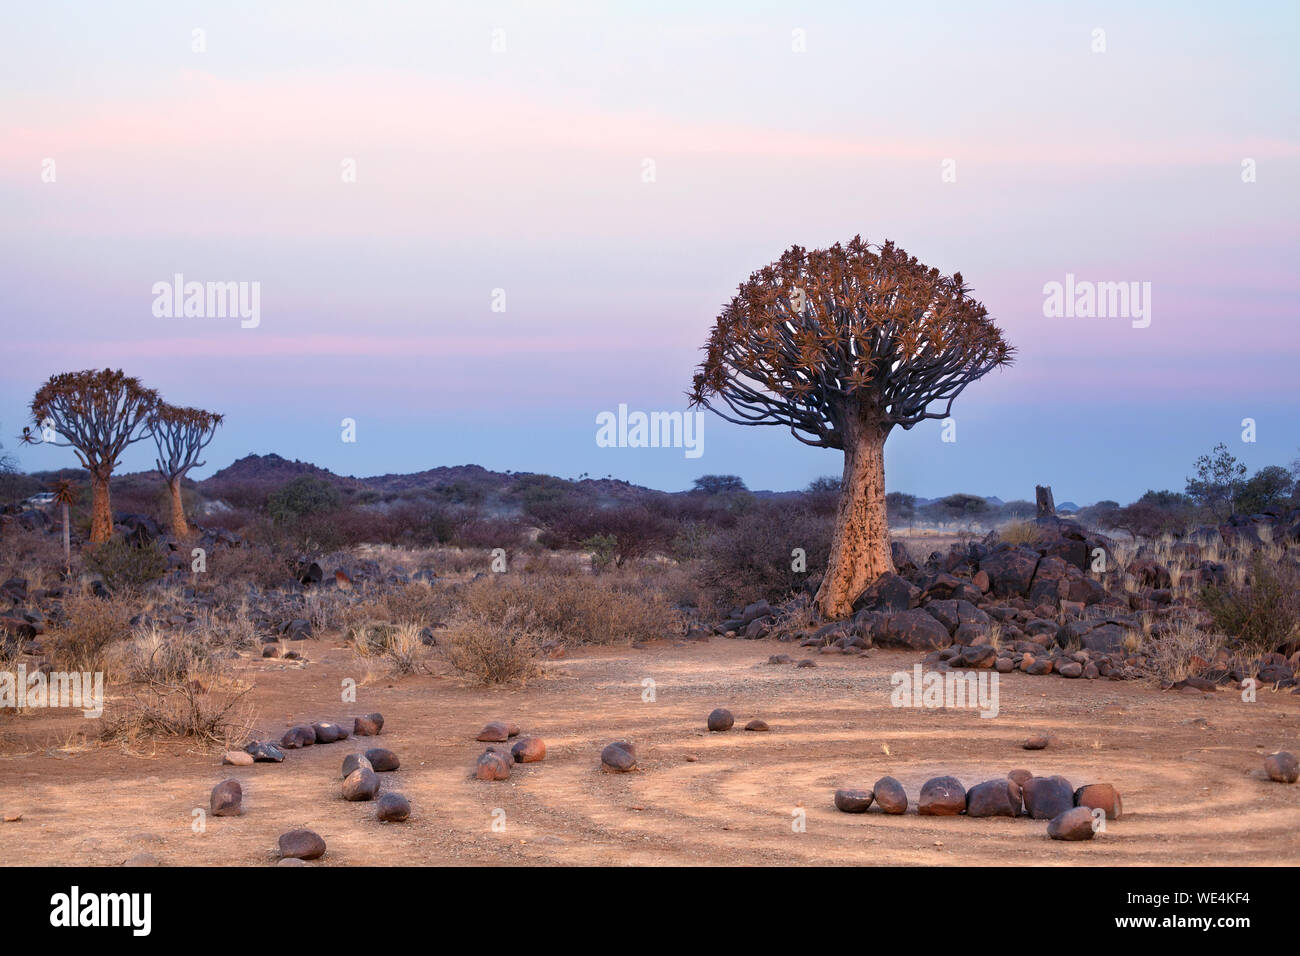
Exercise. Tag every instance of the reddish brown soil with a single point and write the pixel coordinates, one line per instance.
(1189, 768)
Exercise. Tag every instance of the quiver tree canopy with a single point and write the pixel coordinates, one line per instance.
(840, 345)
(97, 414)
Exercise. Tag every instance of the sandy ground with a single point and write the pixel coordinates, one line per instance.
(1189, 768)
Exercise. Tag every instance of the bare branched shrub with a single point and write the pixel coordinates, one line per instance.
(87, 628)
(752, 560)
(1180, 652)
(1260, 607)
(208, 707)
(495, 648)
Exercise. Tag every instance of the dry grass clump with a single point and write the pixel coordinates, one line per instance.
(399, 646)
(1021, 532)
(153, 655)
(604, 609)
(492, 648)
(1180, 652)
(87, 628)
(34, 556)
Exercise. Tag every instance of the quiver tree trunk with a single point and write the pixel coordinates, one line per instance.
(860, 550)
(180, 527)
(67, 542)
(101, 509)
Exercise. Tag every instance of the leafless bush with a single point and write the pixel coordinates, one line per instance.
(493, 648)
(86, 629)
(208, 707)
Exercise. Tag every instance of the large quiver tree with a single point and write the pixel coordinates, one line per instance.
(841, 345)
(97, 414)
(180, 435)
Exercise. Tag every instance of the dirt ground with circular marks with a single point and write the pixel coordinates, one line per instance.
(1189, 768)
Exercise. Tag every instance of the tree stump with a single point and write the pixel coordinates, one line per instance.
(1046, 503)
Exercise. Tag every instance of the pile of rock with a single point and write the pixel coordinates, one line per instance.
(496, 761)
(1073, 813)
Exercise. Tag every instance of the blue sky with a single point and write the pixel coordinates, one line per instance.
(523, 170)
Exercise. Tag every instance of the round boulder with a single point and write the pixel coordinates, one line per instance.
(497, 732)
(353, 762)
(853, 801)
(492, 765)
(1047, 797)
(302, 845)
(327, 733)
(1074, 824)
(993, 798)
(942, 797)
(382, 760)
(296, 737)
(361, 784)
(1100, 796)
(227, 799)
(392, 808)
(890, 795)
(1282, 767)
(721, 720)
(758, 725)
(528, 750)
(618, 757)
(369, 725)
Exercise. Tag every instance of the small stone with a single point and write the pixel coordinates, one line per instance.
(853, 801)
(292, 861)
(496, 732)
(1004, 665)
(272, 650)
(528, 750)
(369, 725)
(392, 808)
(1036, 742)
(355, 762)
(618, 757)
(807, 662)
(264, 752)
(142, 859)
(890, 795)
(383, 761)
(13, 816)
(1282, 767)
(942, 797)
(492, 765)
(296, 737)
(237, 758)
(1074, 824)
(1072, 669)
(1020, 777)
(1047, 797)
(302, 844)
(757, 725)
(361, 784)
(1100, 796)
(721, 720)
(227, 799)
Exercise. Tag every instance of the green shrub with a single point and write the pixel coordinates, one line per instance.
(124, 566)
(1264, 612)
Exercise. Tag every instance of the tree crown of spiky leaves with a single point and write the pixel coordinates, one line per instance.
(181, 434)
(879, 335)
(96, 413)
